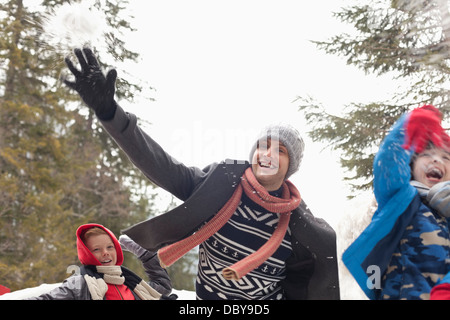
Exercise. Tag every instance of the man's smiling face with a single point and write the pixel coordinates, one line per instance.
(270, 163)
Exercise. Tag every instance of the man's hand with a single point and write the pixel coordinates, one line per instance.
(96, 90)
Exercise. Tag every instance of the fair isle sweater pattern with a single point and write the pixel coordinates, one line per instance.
(248, 229)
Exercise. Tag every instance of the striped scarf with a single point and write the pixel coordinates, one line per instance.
(97, 278)
(290, 200)
(437, 197)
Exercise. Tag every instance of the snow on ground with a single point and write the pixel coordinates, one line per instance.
(29, 292)
(43, 288)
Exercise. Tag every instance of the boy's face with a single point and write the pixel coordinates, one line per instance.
(103, 249)
(270, 163)
(432, 166)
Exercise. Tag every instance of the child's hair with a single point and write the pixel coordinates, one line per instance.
(95, 231)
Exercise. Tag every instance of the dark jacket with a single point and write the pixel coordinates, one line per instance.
(404, 250)
(76, 288)
(312, 268)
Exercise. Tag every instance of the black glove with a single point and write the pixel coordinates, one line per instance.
(173, 296)
(96, 90)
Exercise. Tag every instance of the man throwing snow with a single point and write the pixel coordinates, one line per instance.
(257, 237)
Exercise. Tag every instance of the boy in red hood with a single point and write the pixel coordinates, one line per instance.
(97, 245)
(102, 276)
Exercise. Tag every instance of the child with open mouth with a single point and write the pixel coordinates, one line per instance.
(407, 242)
(102, 276)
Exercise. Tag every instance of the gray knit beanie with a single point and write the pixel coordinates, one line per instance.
(289, 137)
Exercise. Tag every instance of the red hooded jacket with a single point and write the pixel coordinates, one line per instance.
(115, 292)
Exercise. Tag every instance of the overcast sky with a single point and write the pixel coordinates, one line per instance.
(223, 70)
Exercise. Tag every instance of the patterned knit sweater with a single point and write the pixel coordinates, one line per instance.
(247, 230)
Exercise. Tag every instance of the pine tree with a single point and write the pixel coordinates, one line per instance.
(58, 168)
(408, 39)
(183, 272)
